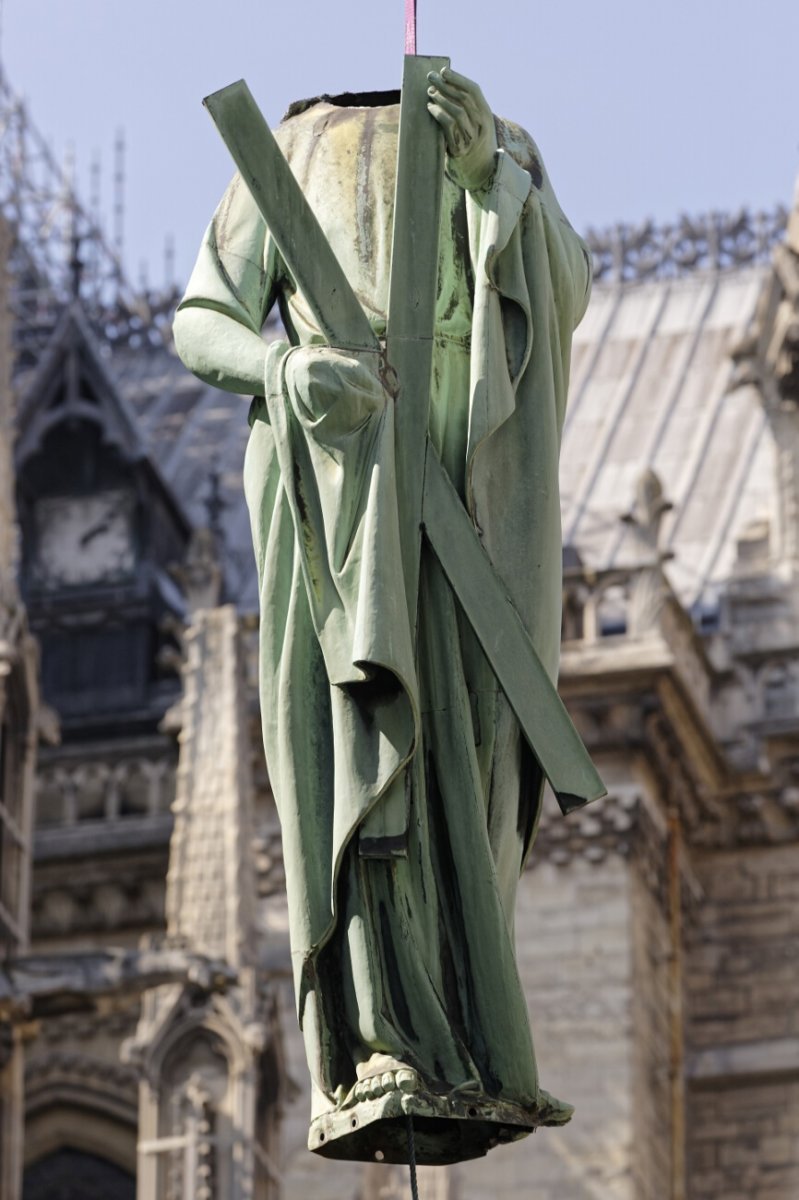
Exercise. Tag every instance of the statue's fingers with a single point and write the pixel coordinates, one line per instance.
(449, 89)
(450, 127)
(454, 108)
(469, 115)
(461, 83)
(472, 101)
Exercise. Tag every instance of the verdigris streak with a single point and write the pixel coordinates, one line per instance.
(407, 792)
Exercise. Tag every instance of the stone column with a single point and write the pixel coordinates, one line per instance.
(18, 723)
(210, 1059)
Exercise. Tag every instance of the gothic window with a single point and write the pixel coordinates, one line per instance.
(195, 1118)
(51, 789)
(612, 611)
(572, 624)
(74, 1175)
(136, 789)
(86, 670)
(779, 698)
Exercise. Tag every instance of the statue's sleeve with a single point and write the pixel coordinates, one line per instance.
(532, 273)
(238, 268)
(532, 277)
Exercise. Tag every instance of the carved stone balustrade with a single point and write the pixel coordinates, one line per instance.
(101, 789)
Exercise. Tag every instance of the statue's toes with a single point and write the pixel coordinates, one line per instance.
(552, 1111)
(382, 1083)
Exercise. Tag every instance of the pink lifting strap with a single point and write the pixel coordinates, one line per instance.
(410, 26)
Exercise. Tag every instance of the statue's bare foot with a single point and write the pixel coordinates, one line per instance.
(552, 1111)
(381, 1074)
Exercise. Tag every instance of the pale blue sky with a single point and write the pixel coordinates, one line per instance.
(640, 109)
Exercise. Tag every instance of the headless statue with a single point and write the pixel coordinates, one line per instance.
(401, 882)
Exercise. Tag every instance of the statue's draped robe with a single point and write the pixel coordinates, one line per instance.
(401, 907)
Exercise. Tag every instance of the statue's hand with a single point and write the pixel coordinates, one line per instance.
(468, 124)
(336, 390)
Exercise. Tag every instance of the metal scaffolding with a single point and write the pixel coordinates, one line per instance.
(59, 247)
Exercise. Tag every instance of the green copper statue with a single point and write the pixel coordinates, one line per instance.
(406, 594)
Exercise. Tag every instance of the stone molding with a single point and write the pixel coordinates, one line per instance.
(624, 825)
(71, 1073)
(43, 983)
(744, 1061)
(606, 827)
(104, 787)
(116, 1021)
(655, 639)
(109, 893)
(762, 816)
(83, 838)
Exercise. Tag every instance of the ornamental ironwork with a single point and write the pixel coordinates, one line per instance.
(713, 242)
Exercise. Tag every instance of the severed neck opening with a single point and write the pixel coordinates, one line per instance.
(346, 100)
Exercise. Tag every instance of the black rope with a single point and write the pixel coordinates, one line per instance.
(412, 1158)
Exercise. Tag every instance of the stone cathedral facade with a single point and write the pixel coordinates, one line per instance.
(148, 1043)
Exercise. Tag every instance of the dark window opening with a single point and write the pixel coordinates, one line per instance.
(74, 1175)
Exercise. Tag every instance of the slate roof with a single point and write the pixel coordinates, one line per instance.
(650, 387)
(193, 431)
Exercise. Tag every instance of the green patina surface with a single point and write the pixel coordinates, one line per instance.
(407, 792)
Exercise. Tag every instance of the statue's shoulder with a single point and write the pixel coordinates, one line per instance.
(327, 134)
(295, 124)
(521, 147)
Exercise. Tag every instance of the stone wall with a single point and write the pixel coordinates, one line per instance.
(744, 1141)
(653, 1013)
(743, 956)
(743, 1027)
(574, 954)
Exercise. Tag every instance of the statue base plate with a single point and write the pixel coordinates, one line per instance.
(447, 1128)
